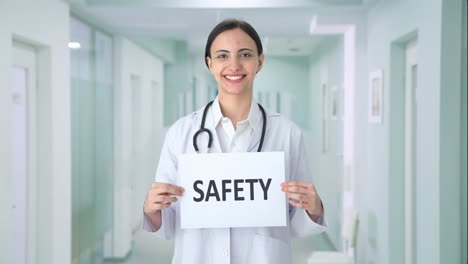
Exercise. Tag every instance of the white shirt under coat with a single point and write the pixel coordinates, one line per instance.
(256, 245)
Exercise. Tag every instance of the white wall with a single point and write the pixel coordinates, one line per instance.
(436, 192)
(43, 25)
(327, 67)
(133, 174)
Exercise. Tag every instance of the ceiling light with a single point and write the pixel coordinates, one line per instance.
(74, 45)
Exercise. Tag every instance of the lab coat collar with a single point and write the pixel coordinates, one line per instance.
(254, 118)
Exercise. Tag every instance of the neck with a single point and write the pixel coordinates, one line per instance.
(236, 108)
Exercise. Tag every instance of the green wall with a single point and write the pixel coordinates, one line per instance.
(165, 49)
(287, 75)
(463, 137)
(450, 113)
(437, 141)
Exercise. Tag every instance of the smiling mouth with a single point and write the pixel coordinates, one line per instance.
(234, 77)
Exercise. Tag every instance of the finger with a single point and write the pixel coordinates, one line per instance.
(162, 184)
(296, 204)
(298, 197)
(177, 187)
(295, 189)
(168, 189)
(159, 206)
(306, 185)
(151, 207)
(165, 199)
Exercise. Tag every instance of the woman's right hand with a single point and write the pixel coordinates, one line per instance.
(160, 196)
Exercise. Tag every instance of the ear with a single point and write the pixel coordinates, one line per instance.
(261, 58)
(208, 61)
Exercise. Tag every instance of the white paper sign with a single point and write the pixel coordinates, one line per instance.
(232, 190)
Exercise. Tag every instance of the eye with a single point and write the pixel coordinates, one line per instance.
(222, 56)
(245, 55)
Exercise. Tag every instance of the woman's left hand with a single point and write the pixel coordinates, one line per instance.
(304, 195)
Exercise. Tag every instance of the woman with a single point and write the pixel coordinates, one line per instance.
(234, 55)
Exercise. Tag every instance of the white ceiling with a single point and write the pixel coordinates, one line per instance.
(284, 25)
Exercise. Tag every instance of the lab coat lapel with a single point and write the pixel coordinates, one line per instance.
(258, 134)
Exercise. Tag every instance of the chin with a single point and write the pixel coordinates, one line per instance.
(235, 90)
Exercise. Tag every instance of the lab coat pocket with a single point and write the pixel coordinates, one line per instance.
(269, 250)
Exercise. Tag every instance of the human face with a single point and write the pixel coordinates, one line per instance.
(234, 62)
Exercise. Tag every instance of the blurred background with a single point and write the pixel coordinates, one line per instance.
(89, 88)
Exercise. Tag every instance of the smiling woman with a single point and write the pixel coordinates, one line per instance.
(234, 56)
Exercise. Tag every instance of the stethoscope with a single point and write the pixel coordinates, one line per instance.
(210, 135)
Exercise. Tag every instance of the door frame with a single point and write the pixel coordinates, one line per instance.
(396, 214)
(410, 150)
(26, 56)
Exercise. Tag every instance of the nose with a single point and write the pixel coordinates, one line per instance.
(235, 63)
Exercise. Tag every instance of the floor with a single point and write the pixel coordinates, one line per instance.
(147, 249)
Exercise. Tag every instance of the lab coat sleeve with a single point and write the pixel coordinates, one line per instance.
(166, 172)
(300, 222)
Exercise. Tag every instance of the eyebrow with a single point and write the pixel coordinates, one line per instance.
(241, 50)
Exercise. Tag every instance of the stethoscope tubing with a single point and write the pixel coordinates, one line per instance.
(203, 129)
(210, 135)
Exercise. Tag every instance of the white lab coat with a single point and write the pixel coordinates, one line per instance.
(267, 245)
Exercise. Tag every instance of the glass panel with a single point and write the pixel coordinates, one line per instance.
(92, 140)
(82, 154)
(103, 134)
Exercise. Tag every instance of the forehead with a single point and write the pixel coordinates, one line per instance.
(232, 39)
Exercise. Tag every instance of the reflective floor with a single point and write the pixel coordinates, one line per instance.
(150, 250)
(147, 250)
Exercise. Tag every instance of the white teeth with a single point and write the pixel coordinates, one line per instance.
(233, 78)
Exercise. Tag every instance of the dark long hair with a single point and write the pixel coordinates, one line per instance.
(229, 24)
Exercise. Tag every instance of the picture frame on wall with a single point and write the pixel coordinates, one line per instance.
(375, 99)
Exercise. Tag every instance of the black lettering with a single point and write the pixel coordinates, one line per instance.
(212, 191)
(238, 189)
(251, 181)
(265, 188)
(198, 191)
(225, 189)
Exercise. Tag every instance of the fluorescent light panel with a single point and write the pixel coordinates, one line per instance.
(74, 45)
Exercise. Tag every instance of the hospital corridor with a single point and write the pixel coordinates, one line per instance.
(92, 93)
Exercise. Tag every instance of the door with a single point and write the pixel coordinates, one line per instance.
(23, 124)
(411, 77)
